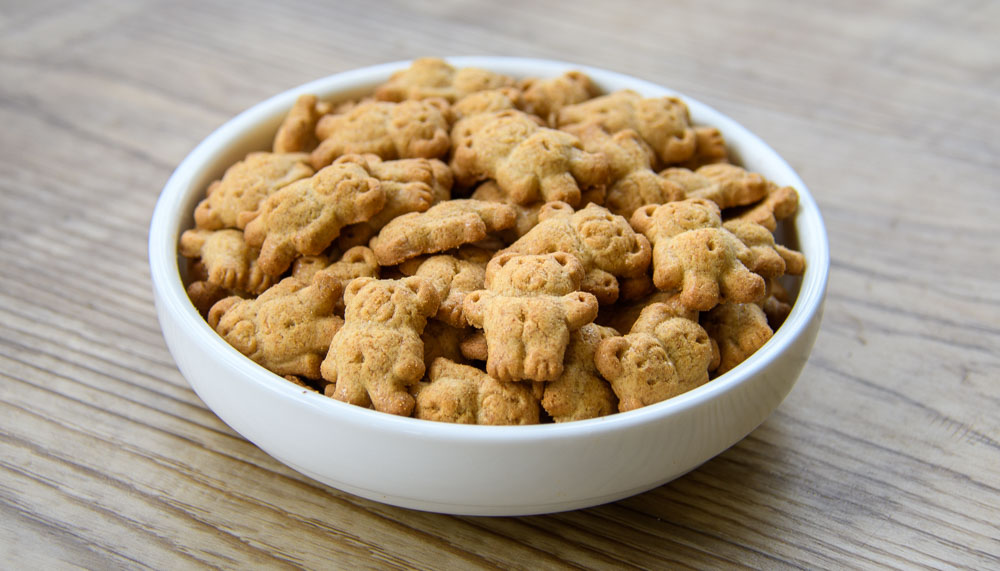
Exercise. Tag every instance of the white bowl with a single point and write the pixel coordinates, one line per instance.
(460, 469)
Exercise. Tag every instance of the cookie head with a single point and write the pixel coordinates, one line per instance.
(517, 274)
(610, 240)
(390, 302)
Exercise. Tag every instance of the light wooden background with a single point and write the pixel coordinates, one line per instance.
(886, 454)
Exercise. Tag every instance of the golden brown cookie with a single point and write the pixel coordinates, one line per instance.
(661, 357)
(453, 275)
(740, 329)
(433, 77)
(305, 217)
(546, 96)
(662, 122)
(444, 226)
(724, 184)
(407, 130)
(227, 259)
(604, 243)
(287, 329)
(297, 133)
(692, 252)
(527, 214)
(780, 202)
(633, 183)
(527, 312)
(580, 392)
(465, 395)
(245, 185)
(528, 161)
(378, 353)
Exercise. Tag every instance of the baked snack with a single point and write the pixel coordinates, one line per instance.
(604, 243)
(466, 395)
(530, 306)
(661, 357)
(694, 253)
(378, 353)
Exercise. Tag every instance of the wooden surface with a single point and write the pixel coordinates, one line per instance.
(886, 454)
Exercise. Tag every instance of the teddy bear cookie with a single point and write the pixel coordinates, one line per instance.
(724, 184)
(767, 258)
(466, 395)
(663, 123)
(633, 183)
(245, 185)
(407, 130)
(603, 242)
(305, 217)
(580, 392)
(286, 329)
(661, 357)
(444, 226)
(227, 259)
(779, 203)
(545, 97)
(527, 311)
(297, 132)
(529, 162)
(739, 329)
(410, 185)
(378, 353)
(435, 78)
(692, 252)
(453, 275)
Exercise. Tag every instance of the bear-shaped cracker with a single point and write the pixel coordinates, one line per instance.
(661, 357)
(453, 275)
(378, 354)
(287, 329)
(529, 162)
(739, 329)
(304, 217)
(433, 77)
(580, 392)
(227, 259)
(603, 242)
(407, 130)
(662, 122)
(444, 226)
(692, 252)
(530, 306)
(245, 185)
(466, 395)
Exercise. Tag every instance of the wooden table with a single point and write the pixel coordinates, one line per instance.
(886, 454)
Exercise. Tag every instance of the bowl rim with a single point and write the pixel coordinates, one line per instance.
(169, 219)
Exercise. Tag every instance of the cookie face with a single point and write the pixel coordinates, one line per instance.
(655, 361)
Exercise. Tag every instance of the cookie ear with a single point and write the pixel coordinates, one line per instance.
(427, 295)
(553, 209)
(360, 254)
(642, 218)
(355, 286)
(608, 357)
(498, 261)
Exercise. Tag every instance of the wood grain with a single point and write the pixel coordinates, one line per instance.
(886, 455)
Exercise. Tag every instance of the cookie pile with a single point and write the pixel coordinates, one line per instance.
(465, 247)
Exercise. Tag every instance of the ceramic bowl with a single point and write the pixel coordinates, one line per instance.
(460, 469)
